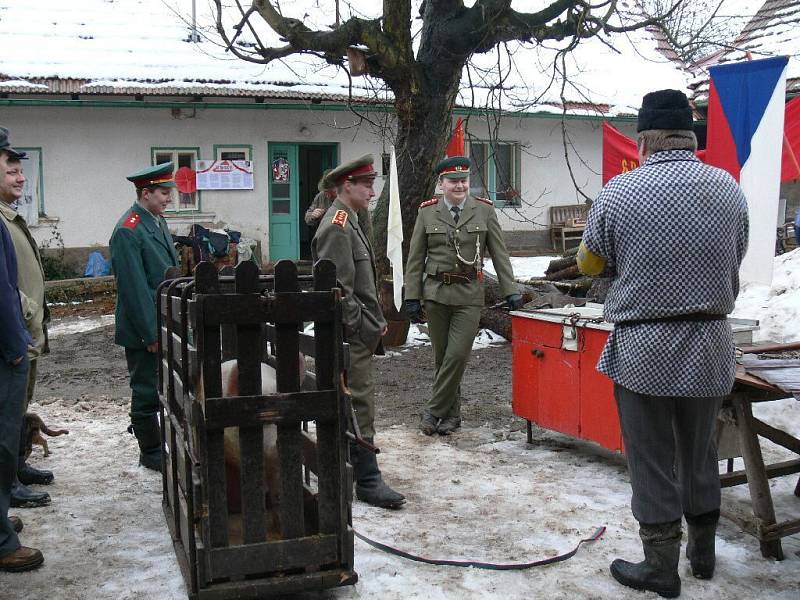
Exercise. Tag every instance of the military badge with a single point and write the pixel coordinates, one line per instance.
(340, 218)
(430, 202)
(484, 200)
(132, 221)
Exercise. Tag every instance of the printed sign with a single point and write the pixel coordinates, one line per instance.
(224, 175)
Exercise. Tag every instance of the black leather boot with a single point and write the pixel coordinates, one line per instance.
(29, 475)
(658, 572)
(428, 423)
(24, 497)
(701, 550)
(370, 487)
(148, 435)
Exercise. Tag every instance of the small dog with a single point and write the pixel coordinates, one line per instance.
(34, 428)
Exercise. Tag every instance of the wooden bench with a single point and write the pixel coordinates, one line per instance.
(567, 223)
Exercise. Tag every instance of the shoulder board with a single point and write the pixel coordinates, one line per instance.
(484, 200)
(430, 202)
(132, 220)
(340, 218)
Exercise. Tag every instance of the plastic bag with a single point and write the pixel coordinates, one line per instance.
(97, 265)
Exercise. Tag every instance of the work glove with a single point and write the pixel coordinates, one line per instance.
(514, 301)
(413, 309)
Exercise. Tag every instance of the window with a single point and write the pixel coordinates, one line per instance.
(180, 157)
(495, 172)
(232, 152)
(31, 205)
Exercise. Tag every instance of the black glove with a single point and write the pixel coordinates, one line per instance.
(413, 309)
(514, 301)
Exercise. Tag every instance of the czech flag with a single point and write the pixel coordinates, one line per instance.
(745, 137)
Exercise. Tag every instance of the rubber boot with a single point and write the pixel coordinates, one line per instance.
(658, 572)
(148, 435)
(701, 547)
(370, 487)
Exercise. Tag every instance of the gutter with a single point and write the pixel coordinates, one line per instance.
(332, 107)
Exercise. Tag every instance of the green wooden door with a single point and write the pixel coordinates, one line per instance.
(283, 202)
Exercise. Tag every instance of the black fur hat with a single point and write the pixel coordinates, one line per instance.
(664, 109)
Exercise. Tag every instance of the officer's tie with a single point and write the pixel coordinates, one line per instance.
(456, 211)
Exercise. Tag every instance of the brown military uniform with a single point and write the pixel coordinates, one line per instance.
(444, 271)
(341, 239)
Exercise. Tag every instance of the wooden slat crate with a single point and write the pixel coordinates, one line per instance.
(247, 551)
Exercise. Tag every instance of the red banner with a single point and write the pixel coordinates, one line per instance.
(790, 165)
(619, 153)
(456, 145)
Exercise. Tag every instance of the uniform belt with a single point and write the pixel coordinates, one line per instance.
(674, 318)
(449, 278)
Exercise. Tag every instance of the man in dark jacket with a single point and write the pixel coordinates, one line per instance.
(141, 250)
(674, 231)
(30, 283)
(14, 343)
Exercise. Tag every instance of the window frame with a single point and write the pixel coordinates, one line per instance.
(39, 149)
(218, 149)
(176, 208)
(490, 186)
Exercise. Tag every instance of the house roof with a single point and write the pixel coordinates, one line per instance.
(144, 47)
(774, 30)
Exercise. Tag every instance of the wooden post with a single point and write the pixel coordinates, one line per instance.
(251, 439)
(757, 479)
(212, 452)
(287, 376)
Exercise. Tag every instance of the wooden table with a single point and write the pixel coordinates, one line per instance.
(762, 523)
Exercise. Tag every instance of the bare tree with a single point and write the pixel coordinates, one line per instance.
(421, 60)
(700, 27)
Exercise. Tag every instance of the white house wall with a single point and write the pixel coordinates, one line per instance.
(87, 153)
(544, 175)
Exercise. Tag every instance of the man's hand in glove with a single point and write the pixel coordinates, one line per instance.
(514, 301)
(413, 309)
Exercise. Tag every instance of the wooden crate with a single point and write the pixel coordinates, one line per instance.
(203, 321)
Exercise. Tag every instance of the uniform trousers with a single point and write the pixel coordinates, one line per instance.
(452, 331)
(12, 397)
(362, 385)
(670, 445)
(143, 373)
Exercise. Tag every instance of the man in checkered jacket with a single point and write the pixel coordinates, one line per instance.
(673, 232)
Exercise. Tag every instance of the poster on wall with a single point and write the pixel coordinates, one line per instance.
(224, 175)
(280, 170)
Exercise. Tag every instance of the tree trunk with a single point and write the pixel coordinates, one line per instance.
(423, 131)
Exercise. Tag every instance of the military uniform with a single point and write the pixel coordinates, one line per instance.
(341, 238)
(141, 250)
(444, 269)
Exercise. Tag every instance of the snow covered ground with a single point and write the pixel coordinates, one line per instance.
(483, 495)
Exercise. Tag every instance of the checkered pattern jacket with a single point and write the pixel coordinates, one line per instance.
(674, 231)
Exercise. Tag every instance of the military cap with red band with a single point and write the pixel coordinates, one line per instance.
(360, 168)
(155, 176)
(455, 167)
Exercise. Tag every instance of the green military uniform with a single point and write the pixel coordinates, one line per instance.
(341, 238)
(141, 251)
(444, 270)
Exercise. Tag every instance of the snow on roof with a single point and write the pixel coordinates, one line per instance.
(144, 47)
(774, 30)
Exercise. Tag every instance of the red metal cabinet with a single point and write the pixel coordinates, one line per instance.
(555, 382)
